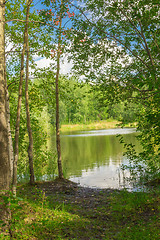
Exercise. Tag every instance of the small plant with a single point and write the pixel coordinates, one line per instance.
(141, 169)
(12, 204)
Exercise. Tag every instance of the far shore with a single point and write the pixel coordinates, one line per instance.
(97, 125)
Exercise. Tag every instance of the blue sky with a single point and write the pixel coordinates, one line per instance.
(41, 61)
(37, 4)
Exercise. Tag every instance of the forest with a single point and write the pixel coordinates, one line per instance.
(77, 63)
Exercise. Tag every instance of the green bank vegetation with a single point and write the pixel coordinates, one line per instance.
(108, 124)
(90, 126)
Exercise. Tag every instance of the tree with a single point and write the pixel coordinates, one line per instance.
(56, 15)
(4, 159)
(30, 147)
(16, 150)
(60, 172)
(15, 64)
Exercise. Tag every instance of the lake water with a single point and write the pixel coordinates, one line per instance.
(93, 158)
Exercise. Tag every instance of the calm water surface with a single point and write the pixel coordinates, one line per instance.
(93, 158)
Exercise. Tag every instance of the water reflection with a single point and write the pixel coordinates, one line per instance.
(102, 132)
(92, 158)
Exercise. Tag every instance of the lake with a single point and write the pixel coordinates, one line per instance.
(93, 158)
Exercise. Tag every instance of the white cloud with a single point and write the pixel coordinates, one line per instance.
(65, 66)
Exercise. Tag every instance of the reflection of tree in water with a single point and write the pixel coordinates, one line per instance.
(84, 153)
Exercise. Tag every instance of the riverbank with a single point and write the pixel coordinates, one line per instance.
(63, 210)
(98, 125)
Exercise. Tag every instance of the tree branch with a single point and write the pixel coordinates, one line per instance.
(135, 28)
(112, 37)
(147, 48)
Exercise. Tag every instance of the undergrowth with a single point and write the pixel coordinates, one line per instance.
(102, 215)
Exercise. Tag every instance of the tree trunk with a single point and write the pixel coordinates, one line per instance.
(30, 147)
(4, 157)
(10, 142)
(60, 172)
(16, 149)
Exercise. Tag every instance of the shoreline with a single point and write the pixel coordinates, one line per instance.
(97, 125)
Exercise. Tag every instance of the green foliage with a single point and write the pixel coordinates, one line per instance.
(143, 167)
(75, 97)
(80, 103)
(43, 157)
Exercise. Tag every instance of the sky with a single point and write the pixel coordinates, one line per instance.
(43, 62)
(37, 4)
(65, 65)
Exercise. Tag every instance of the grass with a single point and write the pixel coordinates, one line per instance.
(93, 126)
(97, 214)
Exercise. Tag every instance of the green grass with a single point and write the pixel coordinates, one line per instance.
(110, 123)
(62, 215)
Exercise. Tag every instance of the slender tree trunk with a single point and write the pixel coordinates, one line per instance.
(60, 172)
(16, 149)
(4, 159)
(10, 142)
(30, 147)
(4, 156)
